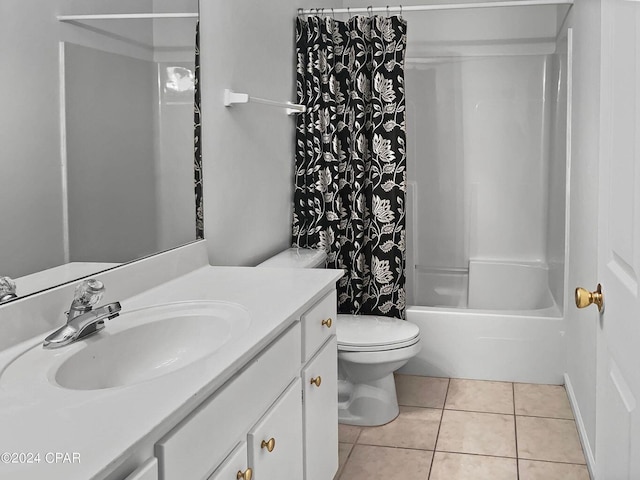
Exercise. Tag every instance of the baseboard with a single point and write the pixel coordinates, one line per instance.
(584, 439)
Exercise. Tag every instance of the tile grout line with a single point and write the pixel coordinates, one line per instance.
(548, 418)
(346, 460)
(435, 445)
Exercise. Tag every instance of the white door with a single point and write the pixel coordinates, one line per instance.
(618, 381)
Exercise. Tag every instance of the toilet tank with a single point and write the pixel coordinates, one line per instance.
(297, 258)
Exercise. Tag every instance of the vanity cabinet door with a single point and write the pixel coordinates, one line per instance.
(235, 466)
(320, 414)
(275, 442)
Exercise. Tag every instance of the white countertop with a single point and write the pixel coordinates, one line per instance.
(105, 426)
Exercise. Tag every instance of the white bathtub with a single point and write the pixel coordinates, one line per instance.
(516, 335)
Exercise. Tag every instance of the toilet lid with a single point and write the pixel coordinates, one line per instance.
(371, 331)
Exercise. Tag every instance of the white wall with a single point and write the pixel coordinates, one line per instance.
(247, 149)
(31, 227)
(475, 31)
(581, 335)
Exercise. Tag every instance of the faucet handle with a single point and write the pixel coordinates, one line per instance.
(88, 293)
(7, 289)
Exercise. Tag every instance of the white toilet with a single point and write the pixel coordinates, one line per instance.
(370, 349)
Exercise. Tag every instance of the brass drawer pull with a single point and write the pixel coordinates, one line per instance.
(316, 381)
(246, 475)
(327, 323)
(269, 445)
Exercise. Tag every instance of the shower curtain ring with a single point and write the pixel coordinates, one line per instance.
(370, 10)
(400, 12)
(300, 12)
(333, 13)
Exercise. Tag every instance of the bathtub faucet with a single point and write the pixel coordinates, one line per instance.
(7, 289)
(82, 319)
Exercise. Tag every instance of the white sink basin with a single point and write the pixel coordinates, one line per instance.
(139, 345)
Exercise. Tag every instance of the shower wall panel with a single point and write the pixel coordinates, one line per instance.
(505, 157)
(556, 216)
(112, 212)
(478, 167)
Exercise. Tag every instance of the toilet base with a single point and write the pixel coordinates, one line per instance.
(367, 404)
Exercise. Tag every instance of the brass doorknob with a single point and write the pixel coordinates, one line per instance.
(584, 297)
(269, 444)
(316, 381)
(246, 475)
(327, 323)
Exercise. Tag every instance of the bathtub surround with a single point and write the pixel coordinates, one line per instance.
(350, 172)
(487, 106)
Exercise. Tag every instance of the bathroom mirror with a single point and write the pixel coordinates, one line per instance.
(96, 135)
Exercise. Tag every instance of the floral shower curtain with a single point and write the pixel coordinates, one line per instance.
(197, 144)
(350, 174)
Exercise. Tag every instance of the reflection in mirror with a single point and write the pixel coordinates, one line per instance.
(96, 136)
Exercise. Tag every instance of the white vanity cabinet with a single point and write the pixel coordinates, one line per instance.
(199, 444)
(320, 414)
(320, 389)
(276, 419)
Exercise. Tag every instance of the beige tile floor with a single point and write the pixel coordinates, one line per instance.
(450, 429)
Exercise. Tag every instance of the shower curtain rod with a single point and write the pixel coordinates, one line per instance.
(120, 16)
(422, 8)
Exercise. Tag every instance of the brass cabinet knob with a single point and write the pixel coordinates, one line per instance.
(269, 444)
(584, 297)
(246, 475)
(327, 323)
(316, 381)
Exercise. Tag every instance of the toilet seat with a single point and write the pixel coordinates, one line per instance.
(374, 333)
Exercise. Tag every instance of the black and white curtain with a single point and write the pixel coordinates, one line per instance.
(350, 173)
(197, 142)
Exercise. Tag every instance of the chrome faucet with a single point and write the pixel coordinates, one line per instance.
(7, 289)
(82, 319)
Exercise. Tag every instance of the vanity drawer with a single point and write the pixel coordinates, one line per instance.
(275, 443)
(320, 413)
(318, 324)
(199, 443)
